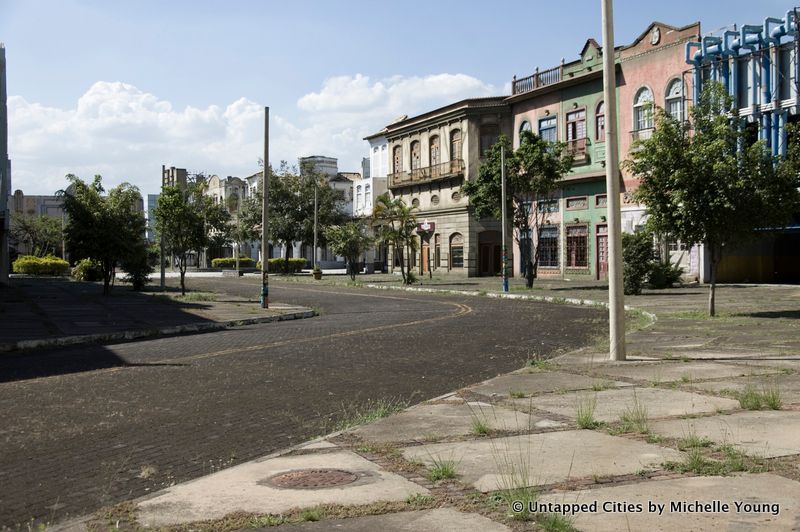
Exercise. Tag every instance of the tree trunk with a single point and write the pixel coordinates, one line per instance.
(399, 250)
(107, 272)
(716, 255)
(182, 268)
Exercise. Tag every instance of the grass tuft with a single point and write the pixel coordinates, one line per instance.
(634, 418)
(442, 469)
(550, 522)
(516, 394)
(480, 427)
(356, 414)
(584, 412)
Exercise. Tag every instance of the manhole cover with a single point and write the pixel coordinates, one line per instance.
(313, 479)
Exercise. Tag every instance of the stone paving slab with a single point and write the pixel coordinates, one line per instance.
(539, 382)
(765, 434)
(597, 360)
(611, 404)
(245, 488)
(428, 422)
(787, 385)
(438, 520)
(543, 458)
(680, 371)
(762, 491)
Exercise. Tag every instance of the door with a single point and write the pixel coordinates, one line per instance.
(485, 259)
(426, 249)
(602, 252)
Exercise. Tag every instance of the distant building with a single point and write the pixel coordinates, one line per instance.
(152, 203)
(173, 177)
(22, 205)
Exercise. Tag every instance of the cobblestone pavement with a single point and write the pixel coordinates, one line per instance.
(89, 426)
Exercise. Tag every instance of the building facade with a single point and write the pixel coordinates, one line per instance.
(430, 157)
(5, 174)
(565, 104)
(758, 66)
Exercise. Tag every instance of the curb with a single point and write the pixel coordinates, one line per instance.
(525, 297)
(120, 336)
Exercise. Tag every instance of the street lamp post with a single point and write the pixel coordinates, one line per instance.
(265, 217)
(616, 299)
(503, 214)
(315, 261)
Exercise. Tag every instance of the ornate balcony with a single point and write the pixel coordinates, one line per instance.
(578, 148)
(427, 174)
(537, 80)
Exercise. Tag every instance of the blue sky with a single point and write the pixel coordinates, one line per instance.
(120, 88)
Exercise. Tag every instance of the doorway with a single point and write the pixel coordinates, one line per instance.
(602, 252)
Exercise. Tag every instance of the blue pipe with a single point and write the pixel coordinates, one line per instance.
(750, 38)
(695, 62)
(776, 126)
(784, 135)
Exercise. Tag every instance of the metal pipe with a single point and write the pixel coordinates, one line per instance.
(503, 214)
(265, 217)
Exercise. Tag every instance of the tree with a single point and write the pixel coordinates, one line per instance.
(180, 221)
(397, 227)
(41, 233)
(291, 206)
(532, 174)
(104, 228)
(349, 240)
(703, 182)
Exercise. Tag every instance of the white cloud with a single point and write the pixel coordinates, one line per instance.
(126, 134)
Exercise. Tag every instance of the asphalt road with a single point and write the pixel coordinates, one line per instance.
(91, 426)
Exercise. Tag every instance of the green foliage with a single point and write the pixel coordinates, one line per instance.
(397, 224)
(107, 228)
(137, 266)
(88, 270)
(532, 173)
(230, 262)
(663, 274)
(279, 265)
(442, 469)
(31, 265)
(181, 221)
(350, 241)
(703, 183)
(41, 233)
(637, 257)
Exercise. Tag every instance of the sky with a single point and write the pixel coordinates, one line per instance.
(120, 88)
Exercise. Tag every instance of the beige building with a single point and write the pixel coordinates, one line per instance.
(430, 157)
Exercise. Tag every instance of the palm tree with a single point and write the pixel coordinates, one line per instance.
(398, 228)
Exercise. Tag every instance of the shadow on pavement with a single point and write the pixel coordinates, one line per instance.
(791, 314)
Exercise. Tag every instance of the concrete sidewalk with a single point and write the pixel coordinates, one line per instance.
(47, 312)
(699, 430)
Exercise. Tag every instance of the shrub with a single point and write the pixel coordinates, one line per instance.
(637, 254)
(88, 270)
(137, 268)
(278, 265)
(230, 262)
(663, 274)
(49, 265)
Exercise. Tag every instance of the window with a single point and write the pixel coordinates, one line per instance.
(415, 203)
(577, 246)
(579, 202)
(600, 122)
(576, 125)
(415, 155)
(456, 251)
(548, 246)
(547, 206)
(673, 104)
(358, 197)
(437, 251)
(643, 110)
(455, 145)
(489, 135)
(456, 196)
(524, 126)
(435, 157)
(397, 156)
(367, 196)
(547, 129)
(601, 200)
(434, 200)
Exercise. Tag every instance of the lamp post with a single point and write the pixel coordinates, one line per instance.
(616, 299)
(265, 217)
(316, 187)
(503, 214)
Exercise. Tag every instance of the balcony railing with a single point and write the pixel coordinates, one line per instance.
(537, 80)
(429, 173)
(642, 134)
(578, 149)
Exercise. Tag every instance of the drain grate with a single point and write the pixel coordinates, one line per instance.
(312, 479)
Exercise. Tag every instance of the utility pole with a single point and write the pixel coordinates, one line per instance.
(265, 217)
(616, 298)
(316, 186)
(503, 215)
(161, 238)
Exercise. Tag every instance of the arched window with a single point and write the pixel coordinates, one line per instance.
(456, 250)
(524, 126)
(358, 197)
(367, 196)
(455, 145)
(643, 110)
(600, 122)
(397, 156)
(415, 155)
(673, 103)
(435, 157)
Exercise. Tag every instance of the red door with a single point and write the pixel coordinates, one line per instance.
(602, 252)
